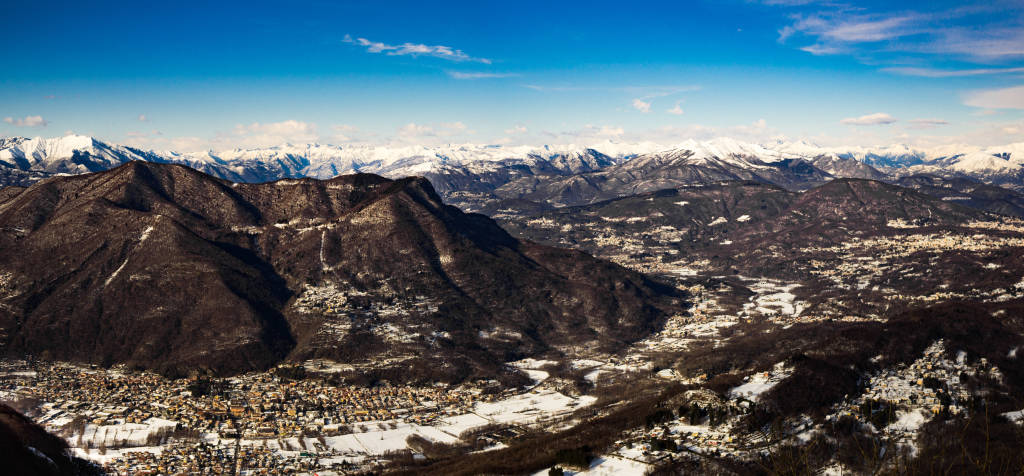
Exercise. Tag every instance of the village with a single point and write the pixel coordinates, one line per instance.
(274, 422)
(112, 411)
(899, 400)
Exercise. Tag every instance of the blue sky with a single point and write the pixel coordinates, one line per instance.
(189, 76)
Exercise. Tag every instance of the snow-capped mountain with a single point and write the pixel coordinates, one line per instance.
(70, 154)
(1001, 165)
(472, 169)
(892, 156)
(79, 154)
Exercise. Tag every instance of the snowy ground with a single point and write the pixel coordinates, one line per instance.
(773, 297)
(134, 434)
(760, 383)
(1016, 417)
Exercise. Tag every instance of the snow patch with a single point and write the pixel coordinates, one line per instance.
(760, 383)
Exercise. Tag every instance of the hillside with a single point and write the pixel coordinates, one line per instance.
(29, 449)
(163, 267)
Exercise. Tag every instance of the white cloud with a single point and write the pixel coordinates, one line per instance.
(342, 132)
(926, 123)
(788, 3)
(413, 130)
(877, 37)
(431, 134)
(985, 42)
(861, 29)
(27, 121)
(641, 105)
(414, 50)
(517, 129)
(589, 133)
(833, 32)
(643, 92)
(1006, 98)
(875, 119)
(822, 50)
(939, 73)
(143, 118)
(479, 75)
(454, 127)
(609, 131)
(252, 135)
(289, 128)
(986, 134)
(929, 122)
(153, 141)
(677, 110)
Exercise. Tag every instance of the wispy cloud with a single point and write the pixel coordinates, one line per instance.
(413, 131)
(788, 3)
(643, 92)
(477, 75)
(986, 42)
(968, 32)
(432, 133)
(1005, 98)
(867, 30)
(27, 121)
(287, 128)
(265, 134)
(878, 118)
(415, 49)
(834, 32)
(641, 105)
(342, 132)
(143, 118)
(822, 50)
(677, 109)
(927, 123)
(946, 73)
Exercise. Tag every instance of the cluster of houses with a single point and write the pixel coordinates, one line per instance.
(888, 248)
(253, 405)
(929, 386)
(204, 458)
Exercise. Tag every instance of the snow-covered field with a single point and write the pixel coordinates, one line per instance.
(774, 298)
(760, 383)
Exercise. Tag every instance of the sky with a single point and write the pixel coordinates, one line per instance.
(214, 75)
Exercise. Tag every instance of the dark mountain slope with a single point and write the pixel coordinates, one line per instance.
(682, 217)
(852, 207)
(29, 450)
(164, 267)
(745, 227)
(110, 268)
(968, 192)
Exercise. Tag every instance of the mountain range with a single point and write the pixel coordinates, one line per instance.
(482, 177)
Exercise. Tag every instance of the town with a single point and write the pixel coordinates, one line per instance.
(282, 421)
